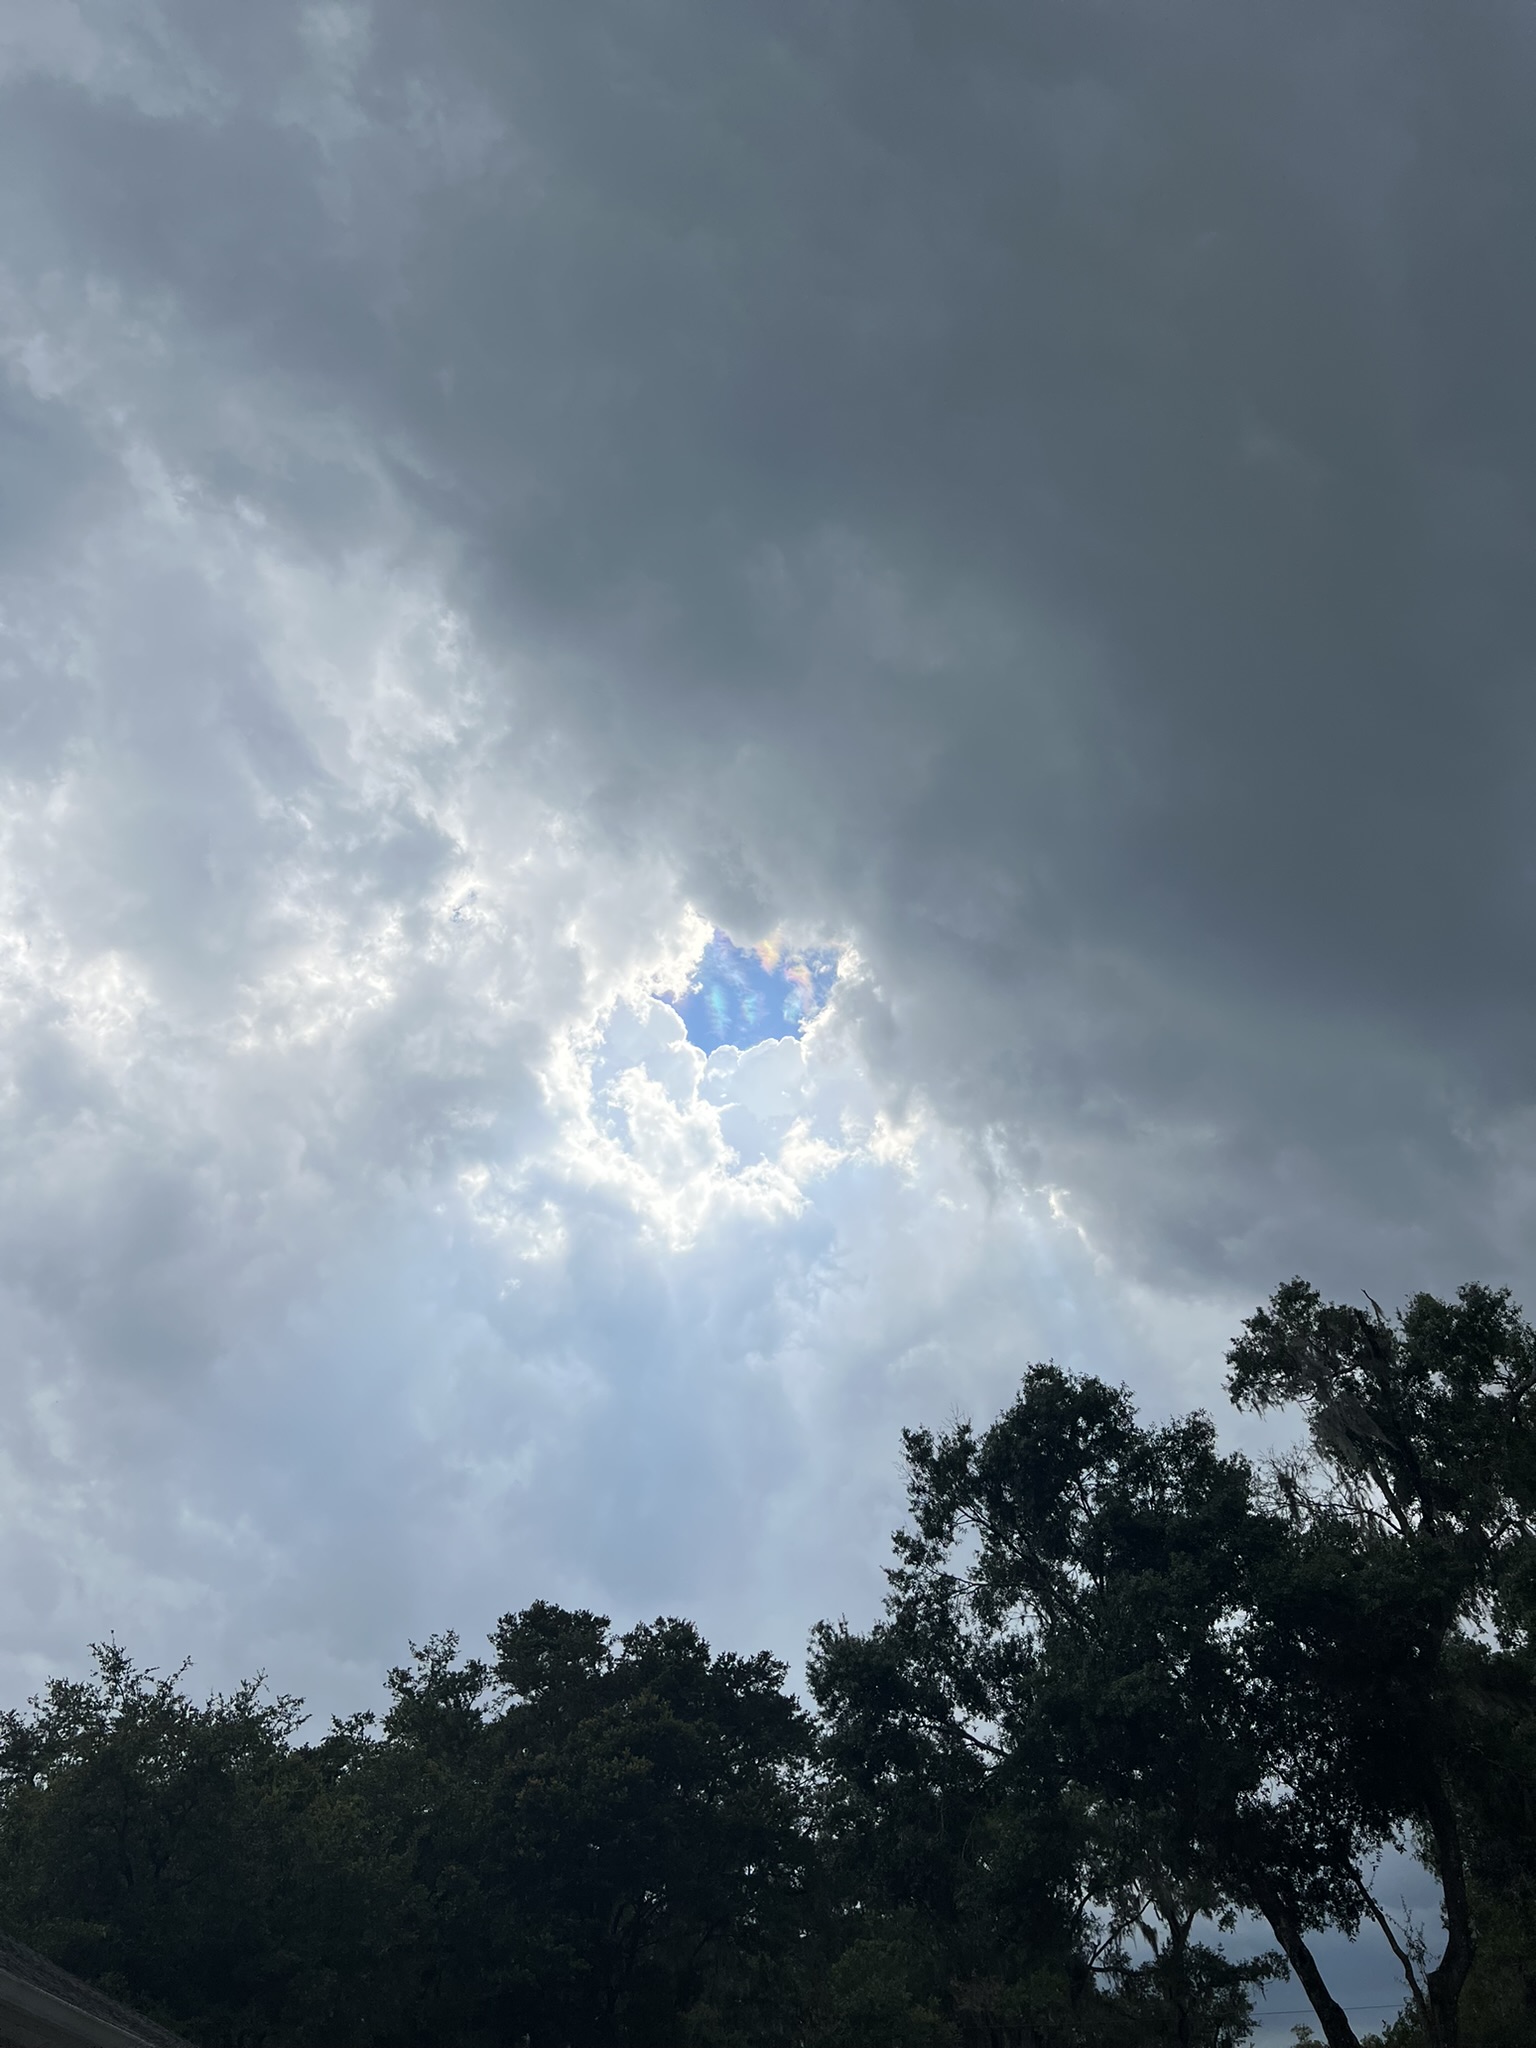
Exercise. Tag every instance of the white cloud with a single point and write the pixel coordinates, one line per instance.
(376, 1249)
(477, 507)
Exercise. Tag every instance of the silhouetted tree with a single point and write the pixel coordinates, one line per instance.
(1126, 1686)
(1249, 1680)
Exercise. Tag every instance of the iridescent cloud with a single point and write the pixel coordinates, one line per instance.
(740, 995)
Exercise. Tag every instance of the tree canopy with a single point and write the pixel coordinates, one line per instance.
(1129, 1689)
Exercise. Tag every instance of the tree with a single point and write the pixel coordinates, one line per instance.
(1250, 1680)
(603, 1834)
(1126, 1686)
(1056, 1615)
(185, 1856)
(654, 1794)
(950, 1911)
(584, 1839)
(1413, 1518)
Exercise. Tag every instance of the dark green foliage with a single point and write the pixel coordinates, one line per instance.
(584, 1841)
(1126, 1686)
(1053, 1648)
(188, 1857)
(1407, 1611)
(1235, 1685)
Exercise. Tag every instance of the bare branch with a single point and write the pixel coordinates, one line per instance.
(1403, 1954)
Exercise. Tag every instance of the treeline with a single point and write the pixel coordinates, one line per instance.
(1126, 1687)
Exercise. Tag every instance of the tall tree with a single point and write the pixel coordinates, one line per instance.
(1253, 1680)
(650, 1796)
(1053, 1644)
(1412, 1513)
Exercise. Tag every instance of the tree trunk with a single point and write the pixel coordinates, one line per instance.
(1179, 1930)
(1332, 2017)
(1444, 1983)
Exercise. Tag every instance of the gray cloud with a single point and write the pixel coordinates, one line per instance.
(1046, 490)
(1041, 494)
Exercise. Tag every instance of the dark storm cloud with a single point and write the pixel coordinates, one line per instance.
(1045, 490)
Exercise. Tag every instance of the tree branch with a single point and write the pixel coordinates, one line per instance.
(1404, 1956)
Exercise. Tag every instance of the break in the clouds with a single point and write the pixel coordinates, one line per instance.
(714, 718)
(740, 995)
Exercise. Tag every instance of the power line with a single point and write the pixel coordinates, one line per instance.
(1285, 2012)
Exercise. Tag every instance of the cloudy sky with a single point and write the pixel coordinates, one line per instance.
(715, 718)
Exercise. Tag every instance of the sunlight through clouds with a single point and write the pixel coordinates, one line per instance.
(352, 1132)
(689, 765)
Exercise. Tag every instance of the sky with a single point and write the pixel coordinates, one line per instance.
(716, 719)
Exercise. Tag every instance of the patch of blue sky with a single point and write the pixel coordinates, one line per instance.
(740, 995)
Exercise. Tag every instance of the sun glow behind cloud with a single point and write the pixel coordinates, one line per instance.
(491, 497)
(378, 1249)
